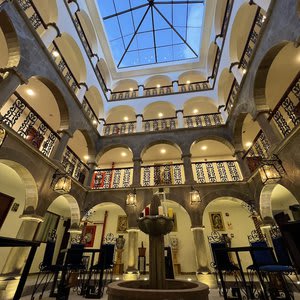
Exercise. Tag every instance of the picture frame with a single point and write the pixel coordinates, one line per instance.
(122, 224)
(89, 235)
(216, 221)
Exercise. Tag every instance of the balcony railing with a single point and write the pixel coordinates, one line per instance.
(24, 120)
(203, 120)
(217, 171)
(74, 166)
(159, 124)
(194, 86)
(122, 95)
(119, 128)
(155, 91)
(112, 178)
(232, 96)
(164, 174)
(286, 114)
(252, 39)
(89, 112)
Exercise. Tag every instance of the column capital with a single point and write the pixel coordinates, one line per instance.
(239, 152)
(186, 155)
(232, 65)
(141, 86)
(198, 228)
(65, 132)
(14, 71)
(139, 115)
(83, 84)
(137, 159)
(179, 111)
(263, 110)
(32, 218)
(54, 25)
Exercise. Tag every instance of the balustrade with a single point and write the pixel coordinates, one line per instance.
(203, 120)
(232, 96)
(286, 114)
(217, 171)
(154, 91)
(162, 174)
(252, 39)
(25, 121)
(124, 95)
(119, 128)
(90, 112)
(160, 124)
(112, 178)
(74, 166)
(194, 86)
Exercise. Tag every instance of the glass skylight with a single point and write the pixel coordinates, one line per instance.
(143, 32)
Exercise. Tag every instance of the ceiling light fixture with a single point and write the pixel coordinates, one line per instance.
(244, 71)
(86, 157)
(123, 154)
(160, 114)
(188, 82)
(30, 92)
(195, 111)
(248, 144)
(131, 89)
(158, 86)
(125, 118)
(163, 151)
(55, 53)
(204, 148)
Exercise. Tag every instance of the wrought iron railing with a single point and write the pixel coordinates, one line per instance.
(119, 128)
(90, 112)
(162, 174)
(203, 120)
(232, 96)
(226, 19)
(286, 114)
(112, 178)
(217, 171)
(74, 166)
(122, 95)
(252, 39)
(159, 124)
(154, 91)
(194, 86)
(24, 120)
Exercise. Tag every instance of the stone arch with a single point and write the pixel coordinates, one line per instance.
(192, 76)
(239, 34)
(225, 82)
(199, 105)
(31, 191)
(211, 58)
(219, 15)
(88, 30)
(74, 209)
(125, 85)
(162, 80)
(10, 48)
(111, 147)
(121, 113)
(73, 56)
(104, 72)
(152, 110)
(48, 10)
(95, 100)
(161, 141)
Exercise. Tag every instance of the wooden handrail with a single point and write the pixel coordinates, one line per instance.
(191, 83)
(200, 115)
(113, 169)
(160, 119)
(161, 165)
(214, 161)
(120, 123)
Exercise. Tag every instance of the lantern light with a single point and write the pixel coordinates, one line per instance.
(131, 199)
(61, 183)
(194, 197)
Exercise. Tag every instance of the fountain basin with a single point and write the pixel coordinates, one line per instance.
(156, 225)
(139, 290)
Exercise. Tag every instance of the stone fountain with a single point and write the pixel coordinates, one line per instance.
(158, 288)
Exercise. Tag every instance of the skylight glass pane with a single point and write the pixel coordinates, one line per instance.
(142, 32)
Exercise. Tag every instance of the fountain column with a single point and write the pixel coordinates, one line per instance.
(132, 249)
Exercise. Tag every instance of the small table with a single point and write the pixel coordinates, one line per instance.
(236, 250)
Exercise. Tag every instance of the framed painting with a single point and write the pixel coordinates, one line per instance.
(216, 221)
(122, 224)
(89, 235)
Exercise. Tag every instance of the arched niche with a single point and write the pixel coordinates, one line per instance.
(158, 80)
(199, 106)
(118, 156)
(190, 77)
(211, 58)
(121, 113)
(224, 86)
(79, 146)
(95, 100)
(219, 15)
(48, 10)
(104, 72)
(159, 109)
(125, 85)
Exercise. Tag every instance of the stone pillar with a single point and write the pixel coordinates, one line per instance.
(9, 85)
(271, 132)
(180, 120)
(175, 86)
(141, 90)
(238, 73)
(49, 35)
(132, 250)
(266, 228)
(188, 171)
(100, 126)
(81, 92)
(139, 123)
(73, 6)
(17, 256)
(136, 180)
(239, 154)
(92, 165)
(108, 94)
(200, 249)
(219, 41)
(63, 142)
(264, 4)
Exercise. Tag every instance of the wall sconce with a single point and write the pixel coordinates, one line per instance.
(61, 183)
(271, 171)
(131, 199)
(194, 197)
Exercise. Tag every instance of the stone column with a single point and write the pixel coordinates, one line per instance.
(132, 250)
(136, 180)
(188, 171)
(175, 86)
(50, 34)
(63, 142)
(81, 92)
(17, 256)
(180, 119)
(139, 123)
(141, 90)
(100, 126)
(92, 165)
(270, 131)
(264, 4)
(239, 154)
(200, 249)
(9, 85)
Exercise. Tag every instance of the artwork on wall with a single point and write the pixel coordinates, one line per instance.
(122, 224)
(15, 207)
(89, 235)
(216, 221)
(5, 204)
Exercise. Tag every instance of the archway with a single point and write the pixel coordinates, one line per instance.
(219, 15)
(211, 59)
(95, 100)
(226, 81)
